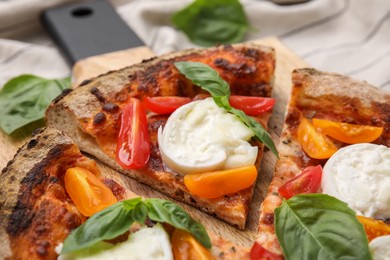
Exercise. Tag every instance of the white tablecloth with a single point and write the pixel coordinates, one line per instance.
(351, 37)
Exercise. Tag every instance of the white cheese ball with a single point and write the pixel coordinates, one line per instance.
(360, 176)
(200, 137)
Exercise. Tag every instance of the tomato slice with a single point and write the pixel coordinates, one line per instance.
(348, 133)
(219, 183)
(185, 246)
(374, 228)
(308, 181)
(252, 106)
(133, 146)
(164, 105)
(315, 144)
(87, 191)
(260, 253)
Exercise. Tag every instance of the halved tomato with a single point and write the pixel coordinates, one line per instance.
(88, 192)
(219, 183)
(308, 181)
(348, 133)
(185, 246)
(164, 105)
(260, 253)
(133, 146)
(315, 144)
(252, 106)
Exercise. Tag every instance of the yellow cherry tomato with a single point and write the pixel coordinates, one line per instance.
(348, 133)
(219, 183)
(374, 228)
(185, 247)
(87, 191)
(315, 144)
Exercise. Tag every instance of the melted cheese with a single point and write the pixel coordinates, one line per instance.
(360, 176)
(380, 248)
(201, 136)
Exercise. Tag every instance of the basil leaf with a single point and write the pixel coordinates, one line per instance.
(139, 213)
(168, 212)
(213, 22)
(24, 100)
(106, 224)
(318, 226)
(208, 79)
(260, 133)
(117, 219)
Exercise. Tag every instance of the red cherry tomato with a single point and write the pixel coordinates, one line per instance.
(133, 147)
(260, 253)
(308, 181)
(252, 106)
(164, 105)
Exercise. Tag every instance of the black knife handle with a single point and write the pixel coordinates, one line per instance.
(88, 29)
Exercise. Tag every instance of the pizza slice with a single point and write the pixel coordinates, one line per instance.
(335, 140)
(52, 196)
(100, 113)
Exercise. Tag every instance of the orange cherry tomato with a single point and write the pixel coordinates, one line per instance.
(348, 133)
(133, 146)
(374, 228)
(219, 183)
(87, 191)
(315, 144)
(164, 105)
(309, 181)
(185, 247)
(260, 253)
(252, 106)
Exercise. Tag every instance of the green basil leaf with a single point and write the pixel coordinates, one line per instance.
(318, 226)
(24, 100)
(260, 133)
(213, 22)
(140, 212)
(106, 224)
(208, 79)
(117, 219)
(168, 212)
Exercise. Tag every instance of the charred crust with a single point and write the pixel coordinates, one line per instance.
(85, 82)
(30, 189)
(149, 60)
(62, 95)
(32, 143)
(110, 107)
(37, 131)
(118, 191)
(98, 94)
(253, 53)
(99, 118)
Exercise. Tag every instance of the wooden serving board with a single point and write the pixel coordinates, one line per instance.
(286, 61)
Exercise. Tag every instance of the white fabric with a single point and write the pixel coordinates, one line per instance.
(350, 37)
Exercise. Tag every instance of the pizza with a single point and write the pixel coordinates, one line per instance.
(36, 211)
(96, 113)
(338, 128)
(39, 210)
